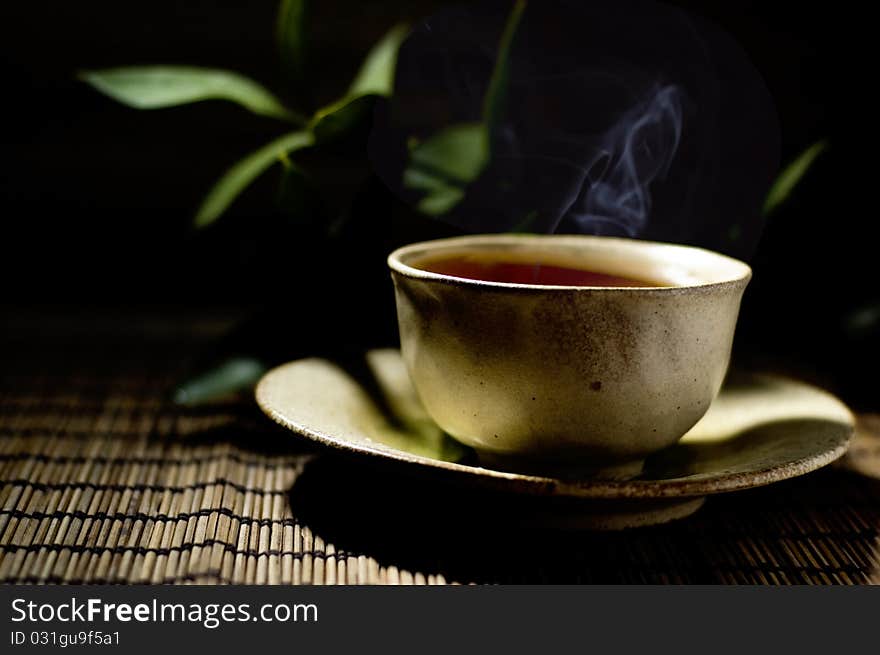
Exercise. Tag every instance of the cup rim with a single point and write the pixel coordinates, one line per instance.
(397, 265)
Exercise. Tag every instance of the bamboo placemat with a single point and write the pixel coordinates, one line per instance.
(103, 480)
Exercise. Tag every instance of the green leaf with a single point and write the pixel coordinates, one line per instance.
(376, 76)
(459, 152)
(444, 164)
(334, 120)
(440, 201)
(237, 178)
(154, 87)
(790, 176)
(233, 375)
(292, 38)
(413, 178)
(493, 102)
(440, 195)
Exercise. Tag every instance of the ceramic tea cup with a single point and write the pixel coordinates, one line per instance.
(588, 379)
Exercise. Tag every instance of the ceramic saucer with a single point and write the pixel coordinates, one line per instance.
(760, 429)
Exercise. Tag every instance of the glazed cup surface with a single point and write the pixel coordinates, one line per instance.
(595, 377)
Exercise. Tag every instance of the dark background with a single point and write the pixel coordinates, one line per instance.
(97, 198)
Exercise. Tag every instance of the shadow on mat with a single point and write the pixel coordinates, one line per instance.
(464, 534)
(467, 536)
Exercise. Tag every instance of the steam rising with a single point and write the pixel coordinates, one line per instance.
(636, 150)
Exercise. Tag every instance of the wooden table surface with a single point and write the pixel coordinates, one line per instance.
(103, 479)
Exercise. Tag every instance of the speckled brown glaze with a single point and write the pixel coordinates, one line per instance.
(592, 376)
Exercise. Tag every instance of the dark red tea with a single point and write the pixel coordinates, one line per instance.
(537, 270)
